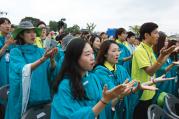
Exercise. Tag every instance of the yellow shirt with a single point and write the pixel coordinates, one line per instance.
(119, 42)
(143, 57)
(109, 66)
(39, 42)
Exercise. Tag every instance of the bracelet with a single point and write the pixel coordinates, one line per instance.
(103, 102)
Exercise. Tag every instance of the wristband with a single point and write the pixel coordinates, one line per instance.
(103, 102)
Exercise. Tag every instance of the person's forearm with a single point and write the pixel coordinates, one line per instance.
(169, 67)
(152, 69)
(3, 49)
(37, 63)
(99, 107)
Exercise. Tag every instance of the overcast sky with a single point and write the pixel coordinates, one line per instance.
(104, 13)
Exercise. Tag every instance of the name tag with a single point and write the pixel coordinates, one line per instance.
(86, 82)
(7, 57)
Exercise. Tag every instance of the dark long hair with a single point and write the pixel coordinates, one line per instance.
(19, 39)
(71, 67)
(160, 44)
(92, 39)
(173, 55)
(103, 51)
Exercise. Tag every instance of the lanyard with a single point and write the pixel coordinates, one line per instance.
(150, 59)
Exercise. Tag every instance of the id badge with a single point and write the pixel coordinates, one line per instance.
(7, 57)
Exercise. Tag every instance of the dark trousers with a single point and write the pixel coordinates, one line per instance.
(2, 111)
(140, 111)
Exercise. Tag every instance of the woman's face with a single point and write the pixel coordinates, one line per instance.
(44, 30)
(29, 36)
(166, 43)
(113, 54)
(96, 43)
(5, 27)
(86, 60)
(123, 36)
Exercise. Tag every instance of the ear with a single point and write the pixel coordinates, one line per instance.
(146, 35)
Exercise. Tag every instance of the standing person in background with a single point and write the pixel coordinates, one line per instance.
(103, 36)
(130, 42)
(167, 68)
(175, 57)
(125, 56)
(6, 44)
(29, 67)
(145, 65)
(95, 43)
(39, 41)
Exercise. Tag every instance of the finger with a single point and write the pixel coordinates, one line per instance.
(171, 49)
(126, 81)
(105, 88)
(130, 84)
(119, 89)
(47, 50)
(163, 49)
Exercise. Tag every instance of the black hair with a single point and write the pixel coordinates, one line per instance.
(130, 34)
(92, 39)
(3, 19)
(71, 67)
(103, 51)
(19, 39)
(119, 32)
(160, 44)
(147, 28)
(41, 22)
(60, 37)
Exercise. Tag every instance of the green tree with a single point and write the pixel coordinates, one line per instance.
(74, 29)
(53, 25)
(135, 29)
(34, 21)
(90, 27)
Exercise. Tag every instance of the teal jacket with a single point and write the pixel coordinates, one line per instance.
(65, 107)
(39, 90)
(4, 64)
(125, 110)
(167, 86)
(125, 53)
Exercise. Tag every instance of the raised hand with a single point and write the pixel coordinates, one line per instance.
(10, 41)
(165, 52)
(51, 53)
(113, 93)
